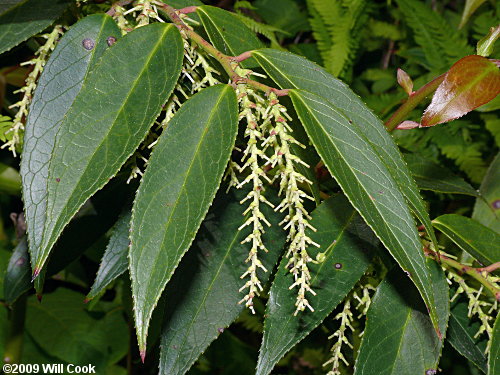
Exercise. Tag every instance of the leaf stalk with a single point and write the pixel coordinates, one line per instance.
(228, 63)
(414, 99)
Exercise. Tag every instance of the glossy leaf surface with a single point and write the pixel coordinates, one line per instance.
(487, 211)
(471, 82)
(368, 184)
(111, 115)
(461, 332)
(28, 18)
(228, 33)
(292, 71)
(339, 232)
(479, 241)
(202, 297)
(399, 338)
(432, 176)
(66, 70)
(180, 182)
(115, 259)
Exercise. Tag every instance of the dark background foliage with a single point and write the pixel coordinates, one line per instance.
(364, 47)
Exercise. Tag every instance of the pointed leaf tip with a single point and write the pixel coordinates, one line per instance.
(193, 169)
(471, 82)
(142, 353)
(36, 272)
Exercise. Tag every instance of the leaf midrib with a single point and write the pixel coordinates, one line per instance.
(421, 286)
(51, 241)
(87, 71)
(145, 327)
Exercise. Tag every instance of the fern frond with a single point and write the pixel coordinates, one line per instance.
(243, 4)
(466, 155)
(329, 10)
(381, 29)
(267, 31)
(336, 25)
(492, 123)
(320, 33)
(442, 45)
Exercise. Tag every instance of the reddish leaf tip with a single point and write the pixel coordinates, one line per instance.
(86, 300)
(143, 355)
(39, 297)
(471, 82)
(36, 272)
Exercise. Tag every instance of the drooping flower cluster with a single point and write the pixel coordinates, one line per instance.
(480, 307)
(297, 218)
(269, 147)
(38, 63)
(252, 109)
(346, 318)
(362, 293)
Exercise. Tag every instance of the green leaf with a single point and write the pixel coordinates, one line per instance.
(292, 71)
(62, 327)
(228, 33)
(283, 14)
(28, 18)
(432, 176)
(471, 82)
(65, 72)
(461, 332)
(180, 182)
(17, 278)
(487, 210)
(10, 180)
(346, 260)
(87, 230)
(114, 261)
(202, 297)
(469, 8)
(368, 184)
(399, 337)
(494, 356)
(479, 241)
(118, 103)
(440, 44)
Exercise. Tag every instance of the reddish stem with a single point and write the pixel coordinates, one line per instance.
(188, 10)
(413, 100)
